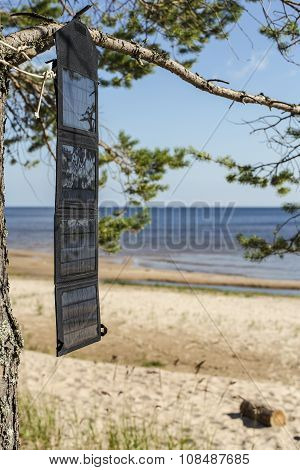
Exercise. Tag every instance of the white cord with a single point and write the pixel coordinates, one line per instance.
(17, 49)
(47, 74)
(34, 75)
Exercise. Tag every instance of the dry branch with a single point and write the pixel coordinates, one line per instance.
(40, 38)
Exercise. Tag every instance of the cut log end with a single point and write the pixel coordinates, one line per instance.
(259, 413)
(278, 418)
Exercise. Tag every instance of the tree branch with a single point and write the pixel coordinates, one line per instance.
(40, 38)
(19, 87)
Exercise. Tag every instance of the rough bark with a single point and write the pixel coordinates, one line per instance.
(261, 414)
(40, 38)
(10, 338)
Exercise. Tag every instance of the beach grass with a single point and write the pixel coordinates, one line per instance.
(192, 288)
(152, 363)
(42, 428)
(39, 429)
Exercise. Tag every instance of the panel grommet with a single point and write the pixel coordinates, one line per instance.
(103, 330)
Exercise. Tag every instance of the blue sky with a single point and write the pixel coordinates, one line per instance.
(161, 110)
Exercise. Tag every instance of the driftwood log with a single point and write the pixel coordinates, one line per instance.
(261, 414)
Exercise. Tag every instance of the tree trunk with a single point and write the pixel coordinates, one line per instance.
(10, 337)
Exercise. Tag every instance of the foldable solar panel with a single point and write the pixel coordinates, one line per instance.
(76, 201)
(77, 172)
(78, 320)
(76, 245)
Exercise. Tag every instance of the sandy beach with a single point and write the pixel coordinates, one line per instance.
(40, 265)
(200, 410)
(185, 356)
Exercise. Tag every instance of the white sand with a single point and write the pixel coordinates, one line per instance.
(197, 406)
(252, 341)
(167, 325)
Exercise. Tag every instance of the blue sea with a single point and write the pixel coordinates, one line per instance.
(196, 239)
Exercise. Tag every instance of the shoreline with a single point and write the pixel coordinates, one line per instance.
(39, 265)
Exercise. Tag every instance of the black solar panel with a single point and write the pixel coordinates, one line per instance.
(79, 101)
(76, 244)
(77, 172)
(78, 323)
(78, 168)
(76, 206)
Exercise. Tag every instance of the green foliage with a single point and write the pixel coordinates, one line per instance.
(133, 434)
(259, 175)
(182, 27)
(178, 28)
(112, 227)
(24, 127)
(142, 170)
(291, 208)
(39, 429)
(47, 8)
(152, 363)
(257, 248)
(282, 175)
(283, 32)
(281, 24)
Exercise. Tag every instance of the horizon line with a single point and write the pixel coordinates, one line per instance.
(167, 205)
